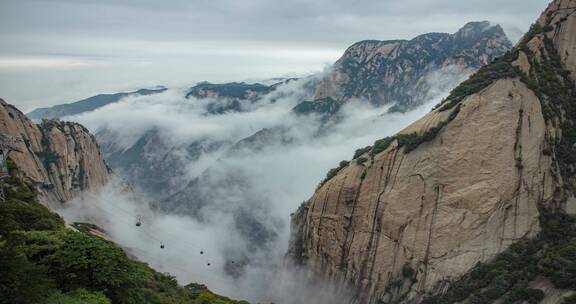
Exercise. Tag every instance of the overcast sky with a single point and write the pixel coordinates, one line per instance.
(56, 51)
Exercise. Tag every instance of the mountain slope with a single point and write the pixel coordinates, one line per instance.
(61, 158)
(418, 210)
(86, 105)
(402, 72)
(42, 261)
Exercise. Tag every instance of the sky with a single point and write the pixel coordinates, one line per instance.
(58, 51)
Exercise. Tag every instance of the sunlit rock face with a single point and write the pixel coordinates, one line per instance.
(401, 72)
(458, 186)
(61, 158)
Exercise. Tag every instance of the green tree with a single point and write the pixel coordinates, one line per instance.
(78, 296)
(21, 281)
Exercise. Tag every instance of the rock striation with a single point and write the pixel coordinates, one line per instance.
(61, 158)
(416, 211)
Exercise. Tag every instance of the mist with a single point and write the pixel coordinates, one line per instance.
(236, 239)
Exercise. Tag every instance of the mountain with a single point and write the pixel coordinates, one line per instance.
(233, 96)
(236, 90)
(61, 158)
(404, 72)
(152, 164)
(44, 261)
(472, 203)
(86, 105)
(159, 167)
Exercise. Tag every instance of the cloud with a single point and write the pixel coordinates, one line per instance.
(244, 226)
(178, 42)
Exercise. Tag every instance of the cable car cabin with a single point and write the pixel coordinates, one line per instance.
(138, 224)
(161, 246)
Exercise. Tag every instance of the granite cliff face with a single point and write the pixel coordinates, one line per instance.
(400, 72)
(61, 158)
(415, 212)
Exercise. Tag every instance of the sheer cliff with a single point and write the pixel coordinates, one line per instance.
(61, 158)
(408, 217)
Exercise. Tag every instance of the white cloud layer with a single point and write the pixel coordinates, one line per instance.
(275, 180)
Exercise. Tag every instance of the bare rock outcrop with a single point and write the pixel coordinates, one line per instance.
(403, 72)
(61, 158)
(457, 187)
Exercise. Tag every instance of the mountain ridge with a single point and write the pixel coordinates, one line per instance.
(86, 105)
(369, 69)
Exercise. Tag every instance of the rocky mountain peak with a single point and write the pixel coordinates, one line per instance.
(478, 28)
(398, 71)
(445, 211)
(61, 158)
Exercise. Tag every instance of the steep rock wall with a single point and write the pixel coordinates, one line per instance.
(404, 222)
(61, 158)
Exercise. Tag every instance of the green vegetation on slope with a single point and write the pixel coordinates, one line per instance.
(42, 261)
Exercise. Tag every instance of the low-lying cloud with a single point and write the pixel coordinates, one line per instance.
(243, 228)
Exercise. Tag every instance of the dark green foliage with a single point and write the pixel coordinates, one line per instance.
(407, 271)
(41, 261)
(501, 68)
(522, 292)
(361, 151)
(21, 281)
(11, 164)
(231, 90)
(21, 211)
(203, 295)
(381, 145)
(560, 265)
(324, 106)
(78, 296)
(334, 171)
(88, 261)
(361, 160)
(555, 88)
(411, 141)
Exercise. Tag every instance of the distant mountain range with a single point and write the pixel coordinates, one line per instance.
(404, 73)
(86, 105)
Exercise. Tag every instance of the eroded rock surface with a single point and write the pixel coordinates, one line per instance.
(455, 188)
(61, 158)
